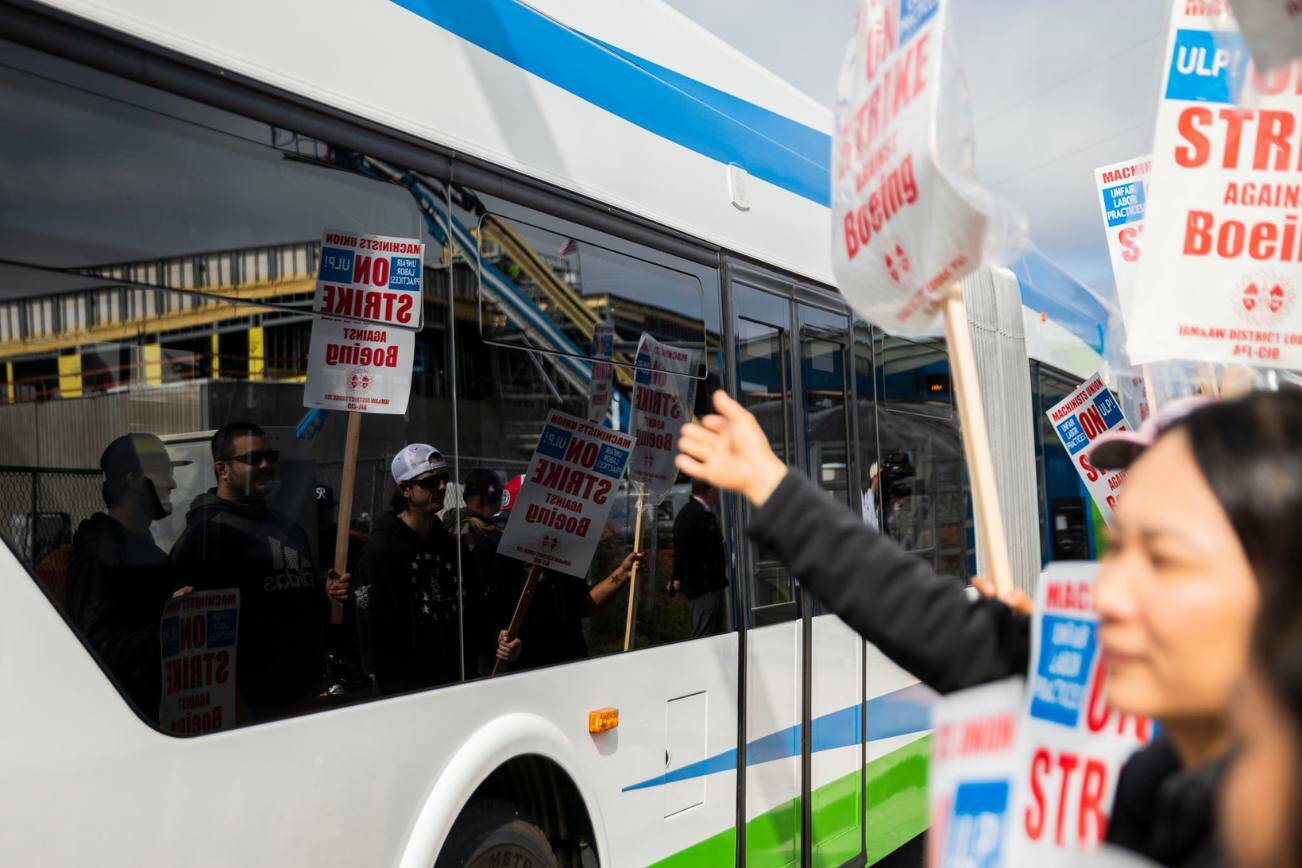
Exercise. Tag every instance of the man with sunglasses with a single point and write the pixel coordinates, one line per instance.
(409, 614)
(234, 539)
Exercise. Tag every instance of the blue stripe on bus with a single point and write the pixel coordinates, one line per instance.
(901, 712)
(675, 107)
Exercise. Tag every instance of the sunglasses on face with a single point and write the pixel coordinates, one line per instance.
(431, 483)
(256, 457)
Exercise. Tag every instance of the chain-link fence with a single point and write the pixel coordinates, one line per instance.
(40, 507)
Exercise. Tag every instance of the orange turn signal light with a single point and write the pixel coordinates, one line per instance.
(603, 720)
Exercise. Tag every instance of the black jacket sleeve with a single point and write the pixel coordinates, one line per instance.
(384, 620)
(923, 622)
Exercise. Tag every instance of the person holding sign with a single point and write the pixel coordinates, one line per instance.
(1176, 600)
(234, 539)
(407, 594)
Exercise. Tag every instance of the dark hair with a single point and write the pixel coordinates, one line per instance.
(113, 489)
(1250, 452)
(224, 440)
(701, 488)
(484, 483)
(397, 500)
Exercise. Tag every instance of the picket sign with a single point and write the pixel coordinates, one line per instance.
(1273, 29)
(664, 390)
(1085, 415)
(197, 640)
(362, 364)
(603, 372)
(1123, 196)
(1222, 263)
(972, 778)
(1040, 794)
(903, 232)
(561, 510)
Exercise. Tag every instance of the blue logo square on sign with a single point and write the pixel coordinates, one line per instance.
(611, 461)
(1072, 436)
(169, 636)
(975, 837)
(404, 273)
(1107, 407)
(1124, 203)
(336, 265)
(1204, 71)
(221, 627)
(1067, 648)
(914, 14)
(554, 442)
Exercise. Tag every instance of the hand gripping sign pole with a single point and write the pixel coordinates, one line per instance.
(908, 220)
(976, 441)
(521, 609)
(630, 618)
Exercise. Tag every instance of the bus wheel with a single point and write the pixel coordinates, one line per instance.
(491, 833)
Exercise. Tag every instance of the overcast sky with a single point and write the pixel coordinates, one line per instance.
(1057, 89)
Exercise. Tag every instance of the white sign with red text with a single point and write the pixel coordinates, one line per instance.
(664, 388)
(1222, 264)
(603, 350)
(902, 233)
(375, 278)
(1273, 29)
(359, 367)
(1123, 189)
(972, 780)
(197, 642)
(1073, 744)
(1082, 417)
(557, 519)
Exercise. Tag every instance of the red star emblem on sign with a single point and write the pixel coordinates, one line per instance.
(897, 262)
(1250, 296)
(550, 542)
(1276, 298)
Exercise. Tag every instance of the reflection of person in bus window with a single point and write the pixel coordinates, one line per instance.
(234, 539)
(408, 606)
(118, 579)
(553, 627)
(699, 561)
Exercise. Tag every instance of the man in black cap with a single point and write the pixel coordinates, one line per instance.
(118, 577)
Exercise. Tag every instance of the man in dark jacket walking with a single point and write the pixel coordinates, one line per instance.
(699, 566)
(234, 539)
(118, 577)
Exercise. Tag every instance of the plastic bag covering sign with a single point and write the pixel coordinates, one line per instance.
(358, 366)
(197, 640)
(603, 349)
(1123, 196)
(1273, 29)
(1073, 744)
(901, 232)
(1222, 265)
(567, 494)
(1081, 418)
(663, 394)
(972, 775)
(370, 277)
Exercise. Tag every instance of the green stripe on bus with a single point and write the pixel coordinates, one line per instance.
(897, 813)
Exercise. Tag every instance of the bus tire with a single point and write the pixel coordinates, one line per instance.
(490, 833)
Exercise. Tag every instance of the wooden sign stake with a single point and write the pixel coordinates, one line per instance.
(630, 618)
(521, 609)
(346, 506)
(976, 441)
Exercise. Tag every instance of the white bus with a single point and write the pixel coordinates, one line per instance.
(166, 173)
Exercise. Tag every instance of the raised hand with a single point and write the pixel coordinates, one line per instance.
(730, 451)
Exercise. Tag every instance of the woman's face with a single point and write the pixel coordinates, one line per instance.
(1257, 801)
(1176, 597)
